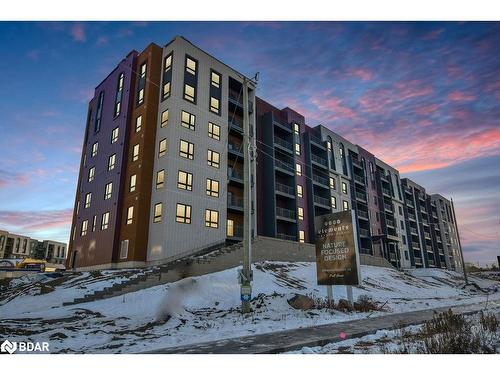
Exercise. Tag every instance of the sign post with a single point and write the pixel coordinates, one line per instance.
(337, 256)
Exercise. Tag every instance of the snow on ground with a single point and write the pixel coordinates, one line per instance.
(205, 308)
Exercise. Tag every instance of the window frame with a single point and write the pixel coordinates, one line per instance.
(188, 180)
(191, 123)
(161, 172)
(210, 157)
(209, 187)
(211, 133)
(189, 154)
(185, 219)
(209, 222)
(157, 218)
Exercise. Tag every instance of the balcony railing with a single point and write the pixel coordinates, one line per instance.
(235, 146)
(415, 245)
(389, 223)
(284, 165)
(359, 179)
(284, 236)
(386, 192)
(409, 203)
(364, 232)
(285, 212)
(321, 200)
(283, 143)
(429, 249)
(234, 173)
(235, 125)
(388, 207)
(427, 235)
(411, 216)
(234, 201)
(316, 140)
(361, 196)
(319, 160)
(363, 214)
(413, 231)
(320, 180)
(285, 188)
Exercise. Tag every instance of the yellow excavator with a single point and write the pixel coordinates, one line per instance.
(32, 264)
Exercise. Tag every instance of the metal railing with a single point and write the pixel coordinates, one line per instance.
(234, 201)
(284, 165)
(285, 188)
(320, 180)
(284, 236)
(411, 216)
(415, 245)
(234, 146)
(321, 200)
(316, 140)
(283, 143)
(363, 214)
(388, 207)
(389, 223)
(364, 232)
(386, 192)
(285, 212)
(361, 196)
(319, 160)
(359, 179)
(234, 173)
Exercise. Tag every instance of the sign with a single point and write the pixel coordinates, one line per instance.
(337, 258)
(246, 293)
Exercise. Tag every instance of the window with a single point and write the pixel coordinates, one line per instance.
(300, 213)
(94, 223)
(130, 215)
(167, 76)
(124, 249)
(132, 183)
(299, 191)
(190, 65)
(344, 188)
(160, 179)
(114, 135)
(333, 202)
(211, 218)
(108, 190)
(296, 128)
(141, 84)
(166, 90)
(230, 228)
(212, 187)
(186, 149)
(95, 146)
(214, 105)
(345, 205)
(105, 221)
(332, 183)
(135, 153)
(157, 213)
(167, 63)
(302, 236)
(111, 162)
(298, 169)
(164, 118)
(83, 231)
(214, 131)
(297, 148)
(91, 174)
(162, 150)
(215, 79)
(185, 180)
(119, 94)
(188, 120)
(213, 159)
(100, 102)
(400, 210)
(138, 124)
(183, 213)
(329, 145)
(189, 93)
(88, 199)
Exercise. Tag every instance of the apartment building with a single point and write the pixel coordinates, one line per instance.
(161, 173)
(19, 246)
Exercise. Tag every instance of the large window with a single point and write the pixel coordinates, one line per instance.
(191, 65)
(135, 153)
(300, 211)
(160, 179)
(215, 79)
(297, 148)
(298, 169)
(211, 218)
(108, 190)
(189, 93)
(98, 117)
(185, 180)
(157, 212)
(345, 205)
(111, 162)
(300, 191)
(119, 94)
(186, 149)
(214, 105)
(302, 236)
(188, 120)
(212, 187)
(332, 183)
(94, 223)
(333, 202)
(95, 146)
(344, 188)
(214, 131)
(138, 124)
(162, 149)
(167, 76)
(83, 231)
(132, 183)
(183, 213)
(105, 221)
(213, 159)
(164, 118)
(114, 135)
(130, 215)
(88, 199)
(91, 174)
(141, 83)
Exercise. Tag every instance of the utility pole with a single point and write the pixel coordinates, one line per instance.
(459, 243)
(246, 273)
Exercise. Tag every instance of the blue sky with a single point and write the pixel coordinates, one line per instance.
(424, 97)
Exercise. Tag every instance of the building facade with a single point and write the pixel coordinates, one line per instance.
(18, 246)
(161, 173)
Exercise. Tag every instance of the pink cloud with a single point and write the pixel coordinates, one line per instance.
(78, 32)
(432, 34)
(460, 96)
(362, 74)
(28, 221)
(333, 108)
(426, 109)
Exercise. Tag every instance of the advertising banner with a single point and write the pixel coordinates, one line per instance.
(337, 258)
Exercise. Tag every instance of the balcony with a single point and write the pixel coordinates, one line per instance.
(361, 196)
(411, 217)
(388, 207)
(389, 223)
(364, 232)
(286, 237)
(284, 126)
(317, 142)
(427, 235)
(235, 148)
(282, 188)
(409, 203)
(285, 213)
(386, 192)
(235, 175)
(415, 245)
(285, 145)
(362, 214)
(235, 203)
(359, 179)
(429, 249)
(235, 98)
(284, 167)
(321, 201)
(235, 125)
(320, 180)
(322, 162)
(413, 231)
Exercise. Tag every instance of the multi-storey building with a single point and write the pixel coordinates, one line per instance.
(19, 246)
(161, 174)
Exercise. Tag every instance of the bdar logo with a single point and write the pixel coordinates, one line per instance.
(9, 347)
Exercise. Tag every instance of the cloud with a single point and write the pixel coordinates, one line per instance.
(460, 96)
(35, 221)
(101, 41)
(362, 74)
(78, 32)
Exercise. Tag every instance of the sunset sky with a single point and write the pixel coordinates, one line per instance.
(423, 97)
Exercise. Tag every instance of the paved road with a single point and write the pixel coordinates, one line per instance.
(294, 339)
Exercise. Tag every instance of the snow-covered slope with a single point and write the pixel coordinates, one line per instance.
(205, 308)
